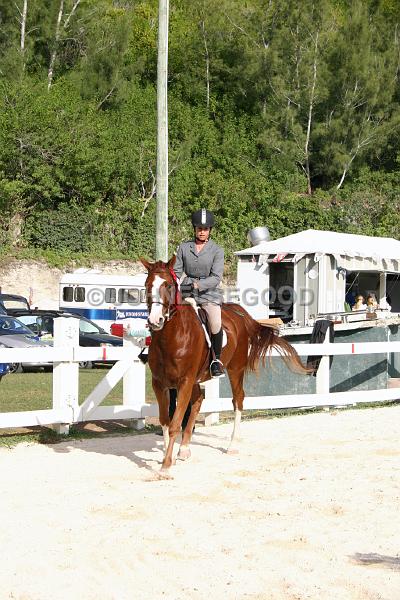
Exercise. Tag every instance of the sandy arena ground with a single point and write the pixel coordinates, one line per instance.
(309, 509)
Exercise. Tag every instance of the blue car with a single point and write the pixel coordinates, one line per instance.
(4, 369)
(14, 334)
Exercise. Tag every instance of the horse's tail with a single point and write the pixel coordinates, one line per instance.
(265, 338)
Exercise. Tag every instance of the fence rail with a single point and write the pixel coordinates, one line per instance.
(66, 354)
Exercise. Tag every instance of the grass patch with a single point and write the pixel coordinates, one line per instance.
(34, 391)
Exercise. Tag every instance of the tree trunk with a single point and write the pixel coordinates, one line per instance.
(346, 168)
(310, 115)
(22, 20)
(23, 25)
(15, 228)
(71, 14)
(55, 48)
(207, 57)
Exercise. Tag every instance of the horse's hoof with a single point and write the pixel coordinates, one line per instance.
(164, 474)
(232, 451)
(184, 453)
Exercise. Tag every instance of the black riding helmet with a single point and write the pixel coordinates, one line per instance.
(203, 218)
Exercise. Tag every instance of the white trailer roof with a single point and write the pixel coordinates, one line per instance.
(313, 241)
(87, 278)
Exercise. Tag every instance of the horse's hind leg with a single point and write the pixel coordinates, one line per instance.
(196, 400)
(236, 380)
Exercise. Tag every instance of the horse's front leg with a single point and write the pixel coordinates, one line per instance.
(162, 395)
(184, 393)
(196, 400)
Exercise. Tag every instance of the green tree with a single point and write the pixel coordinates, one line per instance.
(361, 110)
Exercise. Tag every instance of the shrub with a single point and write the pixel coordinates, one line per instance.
(69, 228)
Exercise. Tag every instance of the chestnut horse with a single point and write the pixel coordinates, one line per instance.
(179, 355)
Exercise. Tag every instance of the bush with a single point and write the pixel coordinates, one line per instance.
(69, 228)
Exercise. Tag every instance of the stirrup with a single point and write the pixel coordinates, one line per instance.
(216, 369)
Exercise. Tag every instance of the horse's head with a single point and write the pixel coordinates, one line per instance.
(160, 291)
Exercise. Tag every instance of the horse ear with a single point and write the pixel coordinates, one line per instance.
(145, 263)
(171, 262)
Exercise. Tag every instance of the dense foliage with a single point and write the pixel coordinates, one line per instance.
(281, 113)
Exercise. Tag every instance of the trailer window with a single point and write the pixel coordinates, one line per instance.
(79, 294)
(143, 296)
(68, 294)
(110, 295)
(128, 296)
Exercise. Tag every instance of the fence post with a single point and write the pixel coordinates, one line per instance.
(211, 392)
(66, 374)
(322, 383)
(134, 385)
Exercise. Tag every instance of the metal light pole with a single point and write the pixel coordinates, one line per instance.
(162, 133)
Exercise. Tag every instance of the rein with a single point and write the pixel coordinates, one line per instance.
(235, 310)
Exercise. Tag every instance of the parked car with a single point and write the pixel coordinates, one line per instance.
(4, 369)
(41, 322)
(12, 302)
(14, 334)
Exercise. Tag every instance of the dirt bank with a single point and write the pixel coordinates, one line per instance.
(41, 281)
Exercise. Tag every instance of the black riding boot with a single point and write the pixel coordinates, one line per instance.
(216, 367)
(144, 355)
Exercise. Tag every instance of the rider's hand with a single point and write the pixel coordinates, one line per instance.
(186, 288)
(127, 330)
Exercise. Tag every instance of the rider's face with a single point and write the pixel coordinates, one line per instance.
(202, 233)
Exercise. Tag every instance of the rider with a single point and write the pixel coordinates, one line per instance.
(202, 261)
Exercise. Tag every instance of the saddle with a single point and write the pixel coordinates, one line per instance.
(203, 318)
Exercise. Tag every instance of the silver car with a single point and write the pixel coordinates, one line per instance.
(14, 334)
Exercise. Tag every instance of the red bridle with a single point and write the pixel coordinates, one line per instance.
(178, 297)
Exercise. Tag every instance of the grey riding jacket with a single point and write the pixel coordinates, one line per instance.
(206, 267)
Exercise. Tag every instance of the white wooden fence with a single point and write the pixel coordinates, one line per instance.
(66, 354)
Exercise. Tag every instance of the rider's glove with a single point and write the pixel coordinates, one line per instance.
(186, 289)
